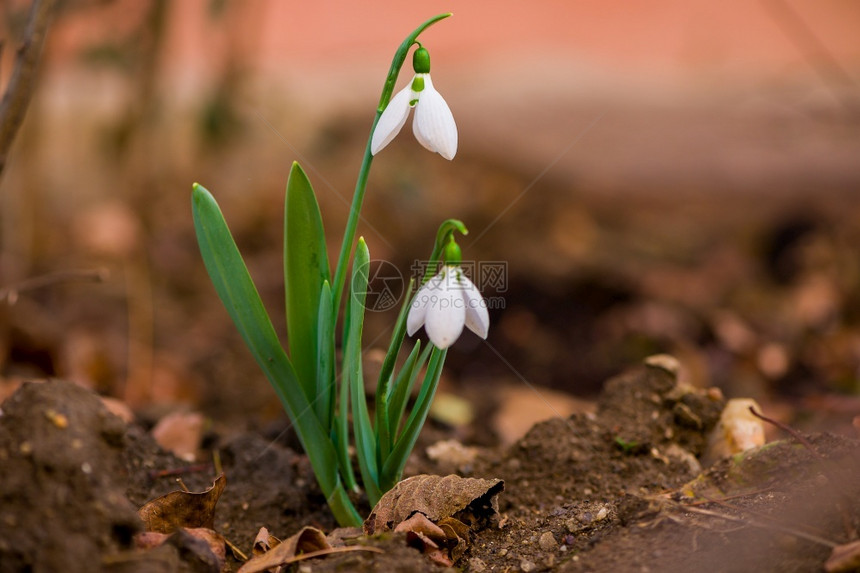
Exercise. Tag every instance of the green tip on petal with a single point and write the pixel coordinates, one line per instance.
(418, 83)
(421, 61)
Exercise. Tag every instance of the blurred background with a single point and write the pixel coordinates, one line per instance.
(658, 176)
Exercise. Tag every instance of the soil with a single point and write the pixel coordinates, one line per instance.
(620, 489)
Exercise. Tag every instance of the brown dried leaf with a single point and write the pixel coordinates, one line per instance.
(419, 523)
(185, 509)
(198, 544)
(307, 540)
(264, 542)
(180, 433)
(337, 537)
(470, 500)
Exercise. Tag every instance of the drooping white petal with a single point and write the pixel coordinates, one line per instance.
(423, 300)
(445, 319)
(392, 119)
(417, 312)
(434, 125)
(477, 317)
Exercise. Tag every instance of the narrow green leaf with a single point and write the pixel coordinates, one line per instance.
(365, 439)
(242, 301)
(403, 383)
(383, 385)
(325, 384)
(392, 468)
(341, 438)
(305, 270)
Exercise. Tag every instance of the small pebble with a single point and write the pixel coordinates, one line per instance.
(58, 419)
(477, 565)
(547, 541)
(527, 565)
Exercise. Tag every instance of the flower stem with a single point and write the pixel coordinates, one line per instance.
(361, 183)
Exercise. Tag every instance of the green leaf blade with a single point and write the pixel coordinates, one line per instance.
(365, 438)
(392, 467)
(237, 291)
(305, 270)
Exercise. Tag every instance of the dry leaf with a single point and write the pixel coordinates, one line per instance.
(419, 524)
(180, 433)
(185, 509)
(206, 546)
(337, 536)
(470, 500)
(264, 542)
(737, 431)
(427, 537)
(308, 540)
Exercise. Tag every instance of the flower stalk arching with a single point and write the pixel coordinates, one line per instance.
(364, 171)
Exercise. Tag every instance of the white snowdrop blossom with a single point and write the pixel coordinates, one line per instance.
(433, 125)
(444, 304)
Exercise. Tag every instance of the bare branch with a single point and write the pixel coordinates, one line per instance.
(16, 99)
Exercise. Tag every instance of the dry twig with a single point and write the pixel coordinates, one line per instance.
(16, 99)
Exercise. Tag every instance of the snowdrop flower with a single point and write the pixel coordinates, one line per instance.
(433, 125)
(444, 304)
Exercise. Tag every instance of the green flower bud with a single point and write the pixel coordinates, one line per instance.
(421, 61)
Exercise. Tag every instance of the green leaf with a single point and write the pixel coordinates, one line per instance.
(242, 301)
(403, 383)
(365, 439)
(325, 383)
(305, 271)
(392, 469)
(383, 386)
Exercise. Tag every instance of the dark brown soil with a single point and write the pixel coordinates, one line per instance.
(619, 490)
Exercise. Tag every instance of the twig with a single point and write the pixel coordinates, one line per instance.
(809, 529)
(10, 293)
(794, 433)
(778, 527)
(708, 500)
(16, 99)
(236, 551)
(330, 550)
(155, 474)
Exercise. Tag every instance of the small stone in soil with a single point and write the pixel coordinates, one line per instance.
(477, 565)
(547, 541)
